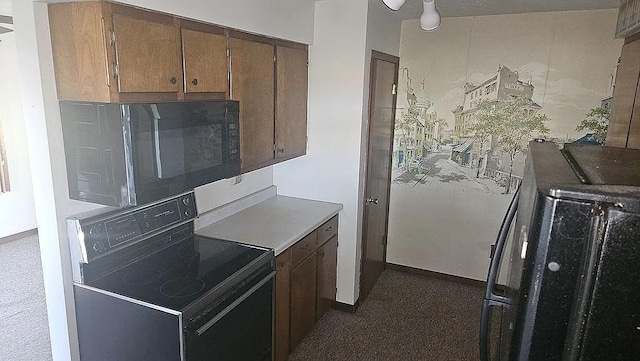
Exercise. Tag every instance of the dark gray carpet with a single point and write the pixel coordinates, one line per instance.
(406, 317)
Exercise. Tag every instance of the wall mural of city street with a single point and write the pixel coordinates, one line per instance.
(470, 97)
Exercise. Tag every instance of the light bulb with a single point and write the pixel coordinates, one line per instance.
(394, 4)
(430, 19)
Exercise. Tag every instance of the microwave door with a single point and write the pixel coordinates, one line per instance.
(168, 146)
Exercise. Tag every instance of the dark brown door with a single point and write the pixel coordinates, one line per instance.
(382, 106)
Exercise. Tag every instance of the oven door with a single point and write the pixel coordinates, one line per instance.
(240, 327)
(175, 147)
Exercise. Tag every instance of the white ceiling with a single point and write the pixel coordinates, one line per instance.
(412, 9)
(5, 7)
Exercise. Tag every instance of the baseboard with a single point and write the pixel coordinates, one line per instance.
(438, 275)
(345, 307)
(17, 236)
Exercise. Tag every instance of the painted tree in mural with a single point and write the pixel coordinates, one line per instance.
(487, 123)
(597, 122)
(516, 123)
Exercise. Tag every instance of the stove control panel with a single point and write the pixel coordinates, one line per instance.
(95, 235)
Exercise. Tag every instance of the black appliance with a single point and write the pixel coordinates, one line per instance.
(573, 287)
(147, 288)
(132, 154)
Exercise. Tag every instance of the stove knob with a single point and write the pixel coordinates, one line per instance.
(99, 247)
(94, 230)
(187, 212)
(186, 201)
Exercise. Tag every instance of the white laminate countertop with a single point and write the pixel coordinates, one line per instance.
(277, 222)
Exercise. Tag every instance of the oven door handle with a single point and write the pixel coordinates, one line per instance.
(233, 305)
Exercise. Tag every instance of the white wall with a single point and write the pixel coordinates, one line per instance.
(219, 193)
(44, 134)
(17, 213)
(285, 19)
(338, 92)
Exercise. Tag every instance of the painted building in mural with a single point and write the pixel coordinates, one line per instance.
(418, 130)
(506, 84)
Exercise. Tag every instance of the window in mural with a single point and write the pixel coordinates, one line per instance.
(4, 167)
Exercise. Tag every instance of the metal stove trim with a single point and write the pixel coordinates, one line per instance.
(129, 299)
(195, 307)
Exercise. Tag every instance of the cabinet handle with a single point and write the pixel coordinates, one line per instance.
(173, 80)
(106, 57)
(194, 82)
(329, 229)
(280, 150)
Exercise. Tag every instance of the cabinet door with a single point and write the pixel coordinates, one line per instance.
(252, 83)
(291, 96)
(79, 45)
(282, 309)
(303, 299)
(205, 62)
(327, 263)
(148, 55)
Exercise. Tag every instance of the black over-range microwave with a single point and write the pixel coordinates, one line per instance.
(132, 154)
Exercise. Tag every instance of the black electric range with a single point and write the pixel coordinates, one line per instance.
(193, 297)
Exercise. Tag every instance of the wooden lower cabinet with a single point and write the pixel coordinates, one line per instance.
(303, 299)
(305, 286)
(282, 309)
(327, 257)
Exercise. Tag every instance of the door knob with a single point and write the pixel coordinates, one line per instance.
(371, 200)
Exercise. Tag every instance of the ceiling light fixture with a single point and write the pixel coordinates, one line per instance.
(430, 19)
(394, 4)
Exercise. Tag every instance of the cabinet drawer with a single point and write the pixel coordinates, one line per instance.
(327, 230)
(303, 248)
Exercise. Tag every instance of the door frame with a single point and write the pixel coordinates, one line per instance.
(376, 55)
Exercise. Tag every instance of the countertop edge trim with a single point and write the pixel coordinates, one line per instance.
(283, 247)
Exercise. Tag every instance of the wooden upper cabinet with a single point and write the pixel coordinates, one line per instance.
(204, 52)
(79, 34)
(252, 84)
(147, 54)
(291, 106)
(113, 53)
